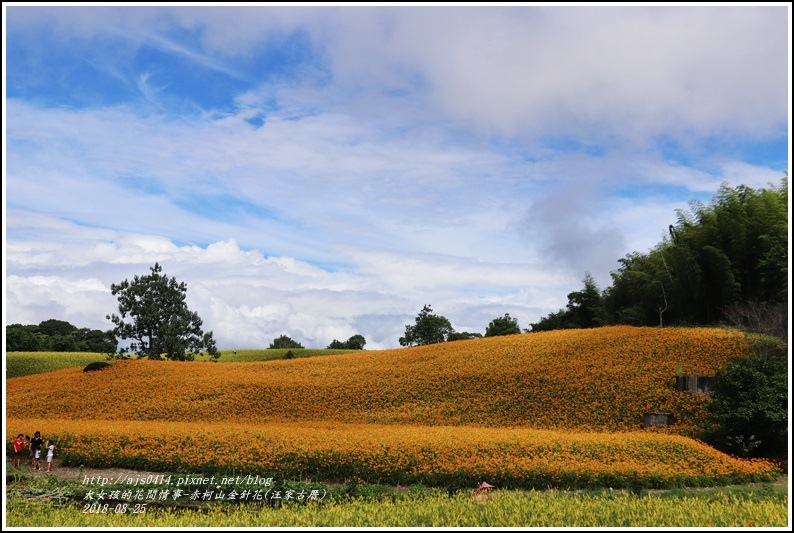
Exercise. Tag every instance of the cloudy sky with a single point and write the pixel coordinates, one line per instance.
(322, 172)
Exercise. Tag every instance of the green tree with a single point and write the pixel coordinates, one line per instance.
(585, 309)
(750, 404)
(555, 320)
(505, 325)
(54, 328)
(94, 340)
(427, 329)
(27, 338)
(58, 336)
(160, 322)
(719, 257)
(284, 341)
(63, 343)
(356, 342)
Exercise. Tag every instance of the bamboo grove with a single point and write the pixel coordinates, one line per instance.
(725, 262)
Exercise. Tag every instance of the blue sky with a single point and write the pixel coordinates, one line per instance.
(325, 171)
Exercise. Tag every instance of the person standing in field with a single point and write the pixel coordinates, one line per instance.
(50, 454)
(19, 445)
(480, 495)
(35, 449)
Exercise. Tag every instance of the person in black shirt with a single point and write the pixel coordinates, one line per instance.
(35, 445)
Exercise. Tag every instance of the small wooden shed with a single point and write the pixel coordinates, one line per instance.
(701, 384)
(658, 419)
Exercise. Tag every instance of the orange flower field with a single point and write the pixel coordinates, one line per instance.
(514, 408)
(401, 454)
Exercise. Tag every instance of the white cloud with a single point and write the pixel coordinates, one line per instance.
(248, 299)
(582, 72)
(586, 72)
(477, 159)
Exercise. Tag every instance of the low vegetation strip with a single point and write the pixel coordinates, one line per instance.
(434, 509)
(601, 379)
(270, 354)
(395, 454)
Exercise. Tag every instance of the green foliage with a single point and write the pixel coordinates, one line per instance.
(356, 342)
(289, 355)
(719, 258)
(160, 321)
(57, 503)
(284, 341)
(750, 405)
(58, 336)
(428, 329)
(505, 325)
(742, 444)
(54, 327)
(557, 320)
(21, 338)
(585, 309)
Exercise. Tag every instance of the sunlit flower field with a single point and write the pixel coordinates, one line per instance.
(403, 454)
(552, 409)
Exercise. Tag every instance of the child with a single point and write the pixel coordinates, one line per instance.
(35, 446)
(19, 445)
(50, 454)
(37, 459)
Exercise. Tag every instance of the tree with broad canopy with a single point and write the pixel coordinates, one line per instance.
(160, 323)
(428, 329)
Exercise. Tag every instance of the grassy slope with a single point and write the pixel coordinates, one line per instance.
(601, 379)
(250, 356)
(20, 364)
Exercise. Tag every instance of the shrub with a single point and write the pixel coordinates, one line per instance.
(98, 365)
(284, 341)
(749, 403)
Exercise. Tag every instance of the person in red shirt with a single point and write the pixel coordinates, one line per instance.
(19, 445)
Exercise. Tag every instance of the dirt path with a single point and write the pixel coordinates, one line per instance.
(79, 474)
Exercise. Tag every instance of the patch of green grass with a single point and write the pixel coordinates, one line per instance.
(47, 502)
(245, 356)
(755, 492)
(27, 363)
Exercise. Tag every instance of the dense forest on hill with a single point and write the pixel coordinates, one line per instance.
(722, 263)
(58, 336)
